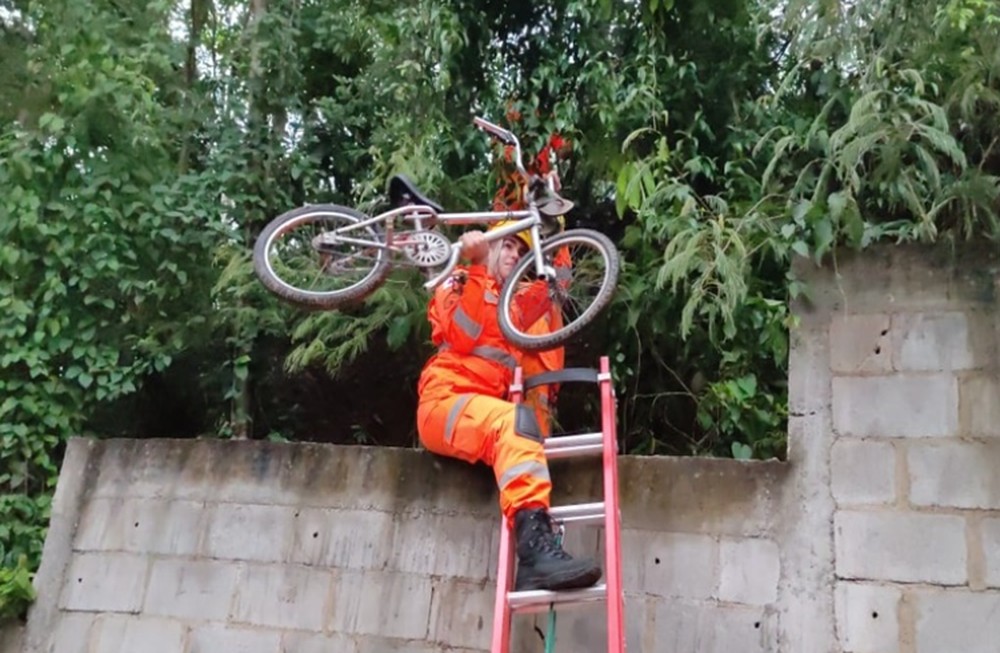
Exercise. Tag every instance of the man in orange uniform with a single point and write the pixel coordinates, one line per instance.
(462, 411)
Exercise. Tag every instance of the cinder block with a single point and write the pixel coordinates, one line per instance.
(896, 406)
(132, 469)
(316, 643)
(860, 343)
(921, 280)
(391, 645)
(809, 370)
(462, 613)
(708, 628)
(191, 589)
(283, 596)
(904, 547)
(465, 550)
(932, 342)
(991, 550)
(955, 474)
(346, 539)
(216, 638)
(105, 582)
(862, 472)
(957, 620)
(390, 604)
(230, 527)
(670, 564)
(120, 634)
(749, 571)
(72, 633)
(867, 617)
(980, 406)
(148, 526)
(583, 629)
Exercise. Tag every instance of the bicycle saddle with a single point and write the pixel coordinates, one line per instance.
(402, 192)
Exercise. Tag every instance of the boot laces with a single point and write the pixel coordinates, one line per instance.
(544, 540)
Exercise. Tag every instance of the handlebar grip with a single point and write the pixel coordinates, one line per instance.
(505, 136)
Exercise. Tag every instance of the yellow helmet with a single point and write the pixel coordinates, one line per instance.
(524, 235)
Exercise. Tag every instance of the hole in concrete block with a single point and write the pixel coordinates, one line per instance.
(135, 525)
(878, 350)
(316, 534)
(756, 624)
(656, 560)
(874, 615)
(79, 580)
(885, 331)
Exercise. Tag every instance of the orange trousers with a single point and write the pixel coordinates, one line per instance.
(480, 428)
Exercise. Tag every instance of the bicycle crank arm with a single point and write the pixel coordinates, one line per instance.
(456, 254)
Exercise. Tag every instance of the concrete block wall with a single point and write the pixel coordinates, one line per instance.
(879, 535)
(913, 339)
(197, 546)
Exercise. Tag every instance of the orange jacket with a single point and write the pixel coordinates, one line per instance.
(473, 356)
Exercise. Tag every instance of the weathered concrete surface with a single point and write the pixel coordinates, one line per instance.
(263, 545)
(879, 535)
(11, 637)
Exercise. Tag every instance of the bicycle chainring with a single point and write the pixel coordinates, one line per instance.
(425, 249)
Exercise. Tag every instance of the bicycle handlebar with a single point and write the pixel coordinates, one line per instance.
(506, 137)
(498, 131)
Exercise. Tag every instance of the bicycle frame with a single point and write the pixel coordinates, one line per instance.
(528, 219)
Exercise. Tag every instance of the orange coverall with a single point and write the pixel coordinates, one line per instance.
(542, 398)
(462, 412)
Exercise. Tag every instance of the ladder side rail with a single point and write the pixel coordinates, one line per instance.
(505, 577)
(505, 562)
(612, 514)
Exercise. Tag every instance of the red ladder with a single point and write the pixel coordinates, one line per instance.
(509, 602)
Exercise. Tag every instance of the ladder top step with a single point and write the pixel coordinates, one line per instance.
(567, 446)
(559, 441)
(540, 600)
(578, 512)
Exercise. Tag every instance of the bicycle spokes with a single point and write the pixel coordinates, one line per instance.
(575, 287)
(586, 272)
(310, 256)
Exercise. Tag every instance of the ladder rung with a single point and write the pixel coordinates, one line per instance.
(566, 446)
(540, 600)
(581, 513)
(569, 452)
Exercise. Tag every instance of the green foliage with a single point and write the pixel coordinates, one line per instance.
(143, 146)
(102, 239)
(16, 589)
(880, 127)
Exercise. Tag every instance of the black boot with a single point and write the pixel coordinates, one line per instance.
(541, 562)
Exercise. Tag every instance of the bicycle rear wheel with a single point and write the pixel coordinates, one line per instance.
(579, 293)
(298, 258)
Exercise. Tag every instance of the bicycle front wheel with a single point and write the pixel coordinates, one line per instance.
(306, 256)
(577, 294)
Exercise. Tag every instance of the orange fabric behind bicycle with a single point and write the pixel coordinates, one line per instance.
(461, 411)
(542, 399)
